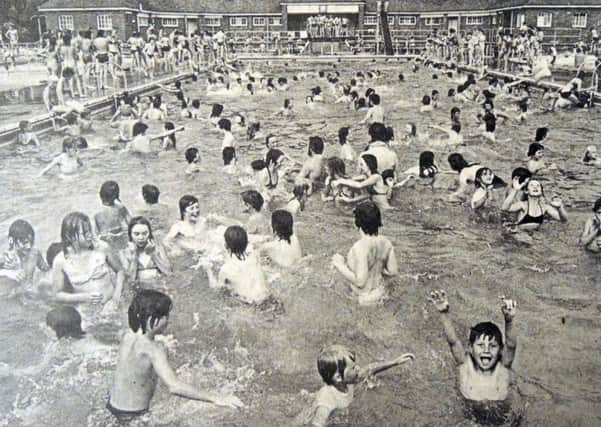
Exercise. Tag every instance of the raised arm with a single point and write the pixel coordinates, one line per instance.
(440, 301)
(509, 308)
(556, 210)
(53, 163)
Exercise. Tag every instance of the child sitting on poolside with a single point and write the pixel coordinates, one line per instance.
(285, 250)
(340, 373)
(242, 272)
(20, 261)
(68, 161)
(141, 359)
(312, 169)
(192, 155)
(590, 237)
(485, 368)
(112, 221)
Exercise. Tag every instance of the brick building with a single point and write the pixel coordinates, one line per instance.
(127, 16)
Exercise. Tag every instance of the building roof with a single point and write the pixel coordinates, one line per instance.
(214, 6)
(409, 6)
(87, 4)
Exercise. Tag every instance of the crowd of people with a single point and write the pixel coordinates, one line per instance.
(328, 27)
(117, 255)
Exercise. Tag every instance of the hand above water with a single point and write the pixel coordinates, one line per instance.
(439, 300)
(337, 260)
(403, 358)
(508, 307)
(515, 183)
(556, 202)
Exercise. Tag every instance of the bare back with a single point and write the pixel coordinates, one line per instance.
(370, 256)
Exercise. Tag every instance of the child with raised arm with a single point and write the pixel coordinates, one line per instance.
(337, 367)
(141, 360)
(21, 259)
(242, 272)
(68, 161)
(485, 368)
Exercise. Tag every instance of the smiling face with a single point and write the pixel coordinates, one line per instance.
(487, 177)
(192, 213)
(140, 235)
(539, 154)
(486, 352)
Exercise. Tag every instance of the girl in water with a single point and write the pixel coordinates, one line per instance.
(536, 164)
(533, 210)
(87, 265)
(143, 259)
(373, 183)
(68, 161)
(189, 233)
(337, 170)
(454, 134)
(285, 250)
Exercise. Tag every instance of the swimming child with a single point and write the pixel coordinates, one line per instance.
(112, 221)
(347, 153)
(242, 273)
(590, 237)
(65, 321)
(312, 169)
(144, 259)
(141, 360)
(68, 161)
(228, 138)
(141, 142)
(216, 111)
(337, 170)
(20, 261)
(532, 210)
(375, 114)
(285, 250)
(26, 135)
(337, 367)
(373, 182)
(536, 164)
(590, 156)
(190, 232)
(370, 258)
(229, 160)
(153, 210)
(257, 223)
(192, 156)
(485, 182)
(484, 370)
(297, 203)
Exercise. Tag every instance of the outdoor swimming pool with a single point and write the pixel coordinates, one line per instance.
(268, 357)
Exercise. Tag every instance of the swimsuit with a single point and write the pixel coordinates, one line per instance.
(102, 57)
(528, 219)
(124, 416)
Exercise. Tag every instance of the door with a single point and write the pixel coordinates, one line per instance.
(453, 22)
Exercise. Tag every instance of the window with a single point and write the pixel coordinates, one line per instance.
(213, 21)
(275, 21)
(494, 20)
(104, 22)
(169, 22)
(579, 20)
(544, 19)
(391, 20)
(433, 21)
(370, 20)
(473, 20)
(143, 21)
(65, 22)
(520, 19)
(407, 20)
(238, 22)
(258, 21)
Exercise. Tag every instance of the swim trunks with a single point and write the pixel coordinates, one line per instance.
(68, 72)
(124, 416)
(103, 58)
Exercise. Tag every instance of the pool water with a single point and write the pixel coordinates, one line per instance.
(267, 355)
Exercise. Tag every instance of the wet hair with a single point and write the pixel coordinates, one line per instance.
(541, 134)
(434, 93)
(150, 194)
(335, 166)
(413, 129)
(369, 92)
(389, 133)
(343, 135)
(456, 127)
(191, 154)
(156, 102)
(360, 103)
(272, 156)
(286, 103)
(478, 179)
(73, 225)
(249, 87)
(522, 173)
(236, 241)
(228, 154)
(331, 360)
(196, 103)
(371, 162)
(65, 320)
(139, 128)
(490, 122)
(252, 198)
(533, 148)
(21, 230)
(377, 132)
(170, 126)
(374, 99)
(316, 90)
(258, 165)
(53, 250)
(282, 224)
(457, 162)
(426, 100)
(68, 143)
(315, 145)
(454, 111)
(185, 202)
(225, 124)
(368, 217)
(434, 76)
(109, 192)
(427, 168)
(136, 221)
(148, 304)
(597, 205)
(388, 173)
(299, 191)
(216, 110)
(486, 329)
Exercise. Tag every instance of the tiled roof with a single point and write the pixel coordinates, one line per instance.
(214, 6)
(439, 5)
(66, 4)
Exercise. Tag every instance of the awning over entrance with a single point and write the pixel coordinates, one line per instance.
(316, 9)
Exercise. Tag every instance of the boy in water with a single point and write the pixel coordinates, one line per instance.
(68, 161)
(485, 368)
(21, 259)
(112, 221)
(258, 223)
(312, 169)
(153, 210)
(141, 359)
(337, 367)
(592, 230)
